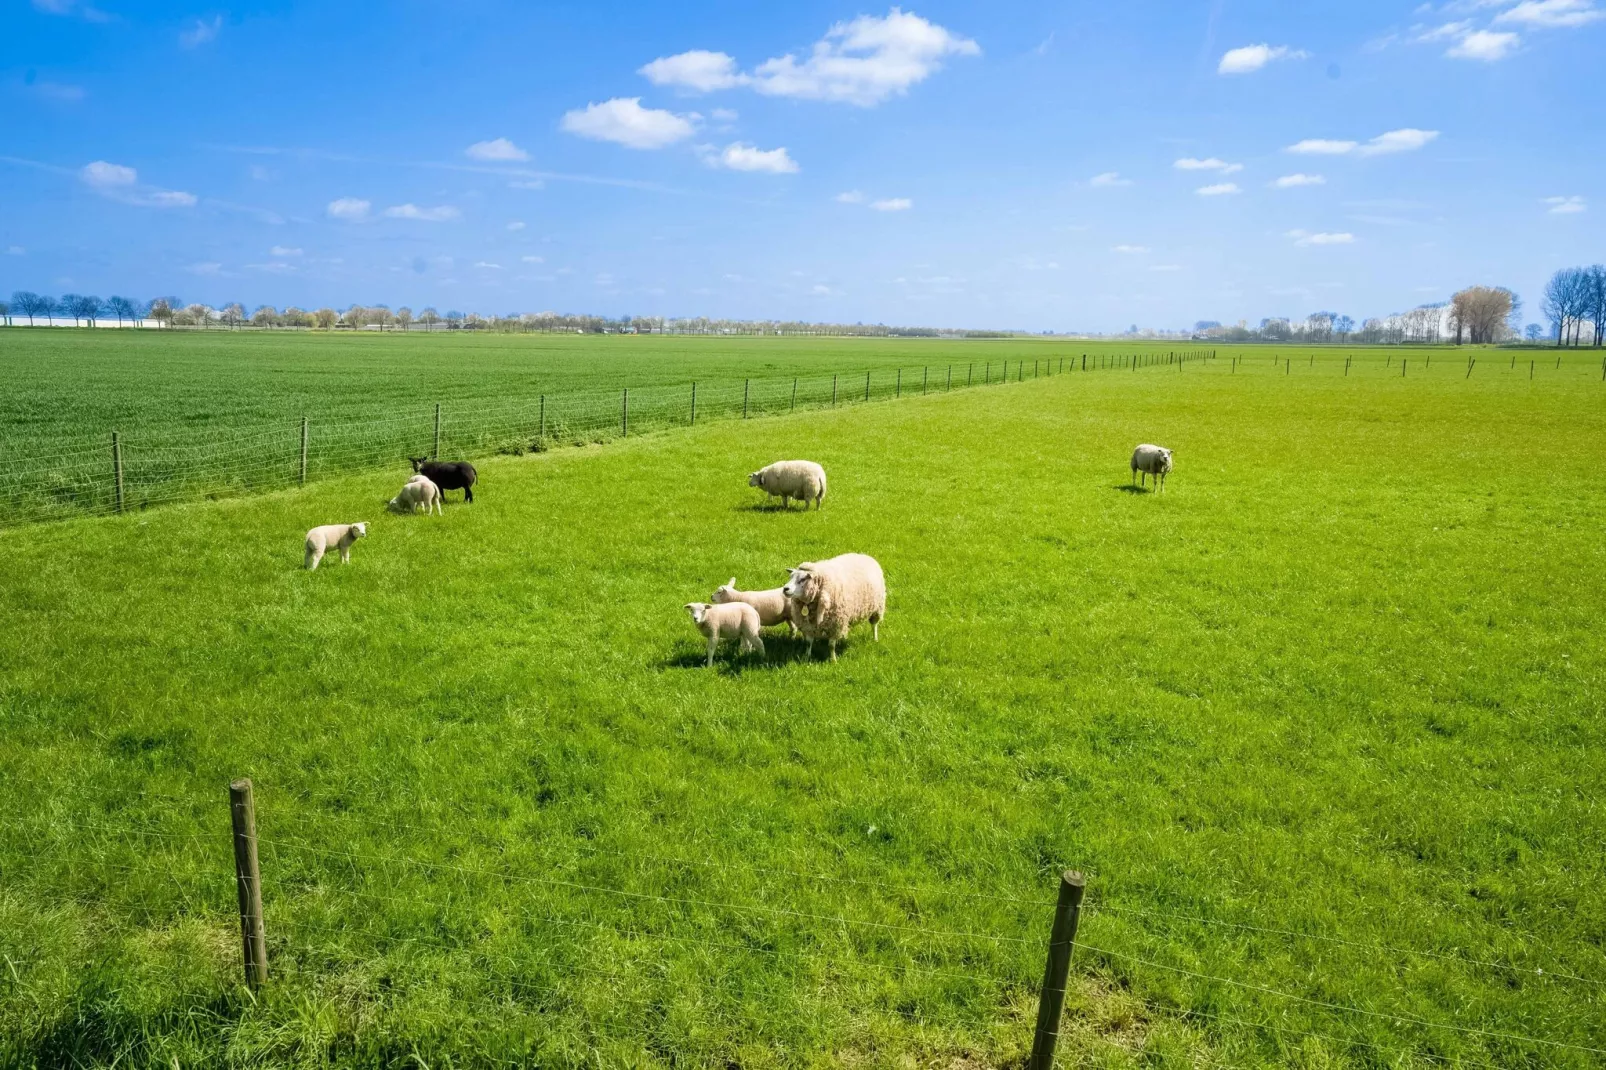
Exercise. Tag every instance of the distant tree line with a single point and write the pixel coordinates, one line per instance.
(1575, 305)
(1478, 315)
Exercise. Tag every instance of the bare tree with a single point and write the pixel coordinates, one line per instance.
(1566, 303)
(264, 316)
(429, 317)
(404, 317)
(5, 313)
(122, 308)
(325, 317)
(31, 304)
(162, 310)
(1594, 300)
(1479, 313)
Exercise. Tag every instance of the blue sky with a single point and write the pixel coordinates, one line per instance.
(1073, 166)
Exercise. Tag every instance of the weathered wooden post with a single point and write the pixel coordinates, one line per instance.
(303, 451)
(925, 377)
(794, 394)
(435, 452)
(1051, 1001)
(541, 432)
(867, 386)
(117, 468)
(833, 391)
(624, 413)
(747, 386)
(897, 391)
(248, 882)
(693, 404)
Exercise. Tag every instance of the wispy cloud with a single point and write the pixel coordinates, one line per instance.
(1552, 13)
(1220, 189)
(283, 250)
(499, 150)
(1189, 163)
(515, 226)
(851, 196)
(56, 92)
(1305, 237)
(740, 156)
(1108, 179)
(864, 61)
(624, 121)
(203, 31)
(1487, 46)
(1129, 249)
(1251, 58)
(72, 9)
(1296, 180)
(1566, 205)
(351, 209)
(892, 204)
(443, 213)
(1408, 139)
(120, 183)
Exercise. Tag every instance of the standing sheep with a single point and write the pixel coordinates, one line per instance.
(735, 620)
(772, 606)
(321, 540)
(1151, 461)
(831, 596)
(803, 480)
(448, 475)
(419, 491)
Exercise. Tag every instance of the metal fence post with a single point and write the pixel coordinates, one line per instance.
(248, 882)
(117, 468)
(1051, 1002)
(303, 451)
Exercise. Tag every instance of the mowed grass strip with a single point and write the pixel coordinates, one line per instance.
(1342, 679)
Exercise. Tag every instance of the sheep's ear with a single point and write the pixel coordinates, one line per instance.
(731, 582)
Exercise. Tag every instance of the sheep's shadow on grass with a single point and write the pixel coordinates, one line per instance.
(766, 507)
(1132, 488)
(779, 650)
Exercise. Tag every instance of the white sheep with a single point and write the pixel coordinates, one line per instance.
(831, 596)
(419, 491)
(734, 620)
(772, 606)
(803, 480)
(1151, 461)
(320, 540)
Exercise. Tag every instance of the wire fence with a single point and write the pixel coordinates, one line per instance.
(121, 472)
(622, 938)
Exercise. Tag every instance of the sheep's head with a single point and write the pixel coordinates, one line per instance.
(755, 479)
(802, 586)
(698, 611)
(1165, 460)
(726, 592)
(361, 528)
(418, 463)
(395, 505)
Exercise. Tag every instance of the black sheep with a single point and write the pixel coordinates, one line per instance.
(448, 475)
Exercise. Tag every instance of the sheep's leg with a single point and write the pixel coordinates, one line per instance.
(345, 555)
(713, 641)
(808, 649)
(757, 645)
(875, 628)
(312, 559)
(833, 650)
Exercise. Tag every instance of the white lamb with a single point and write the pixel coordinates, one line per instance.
(321, 540)
(803, 480)
(419, 491)
(1151, 461)
(735, 620)
(832, 596)
(772, 606)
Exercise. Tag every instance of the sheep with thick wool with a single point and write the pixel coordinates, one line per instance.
(803, 480)
(321, 540)
(831, 596)
(772, 606)
(419, 491)
(1153, 461)
(734, 620)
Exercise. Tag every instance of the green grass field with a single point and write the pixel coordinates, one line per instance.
(1322, 724)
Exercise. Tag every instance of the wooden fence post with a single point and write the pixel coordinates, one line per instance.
(117, 468)
(925, 377)
(248, 882)
(541, 433)
(833, 391)
(747, 386)
(1530, 369)
(435, 453)
(624, 413)
(1470, 362)
(303, 451)
(1051, 1001)
(794, 393)
(897, 391)
(867, 386)
(694, 404)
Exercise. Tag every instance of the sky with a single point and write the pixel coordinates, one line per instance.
(1041, 166)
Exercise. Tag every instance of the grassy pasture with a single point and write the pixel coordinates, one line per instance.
(1322, 721)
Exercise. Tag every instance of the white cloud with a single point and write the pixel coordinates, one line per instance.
(1485, 45)
(1129, 249)
(851, 196)
(103, 175)
(533, 259)
(72, 7)
(1405, 140)
(865, 61)
(1108, 179)
(1552, 13)
(1295, 180)
(1252, 58)
(515, 226)
(723, 115)
(1220, 189)
(527, 183)
(623, 120)
(1447, 32)
(1303, 237)
(440, 214)
(206, 267)
(699, 71)
(1189, 163)
(1566, 205)
(892, 204)
(487, 265)
(166, 198)
(499, 150)
(740, 156)
(203, 32)
(351, 209)
(281, 250)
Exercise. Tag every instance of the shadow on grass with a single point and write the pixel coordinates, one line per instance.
(1133, 488)
(766, 507)
(779, 650)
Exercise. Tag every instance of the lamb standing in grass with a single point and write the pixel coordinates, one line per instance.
(734, 620)
(341, 536)
(803, 480)
(419, 491)
(772, 606)
(830, 597)
(1151, 461)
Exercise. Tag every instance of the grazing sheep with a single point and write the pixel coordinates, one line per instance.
(830, 597)
(1151, 461)
(419, 491)
(341, 536)
(448, 475)
(772, 606)
(735, 620)
(803, 480)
